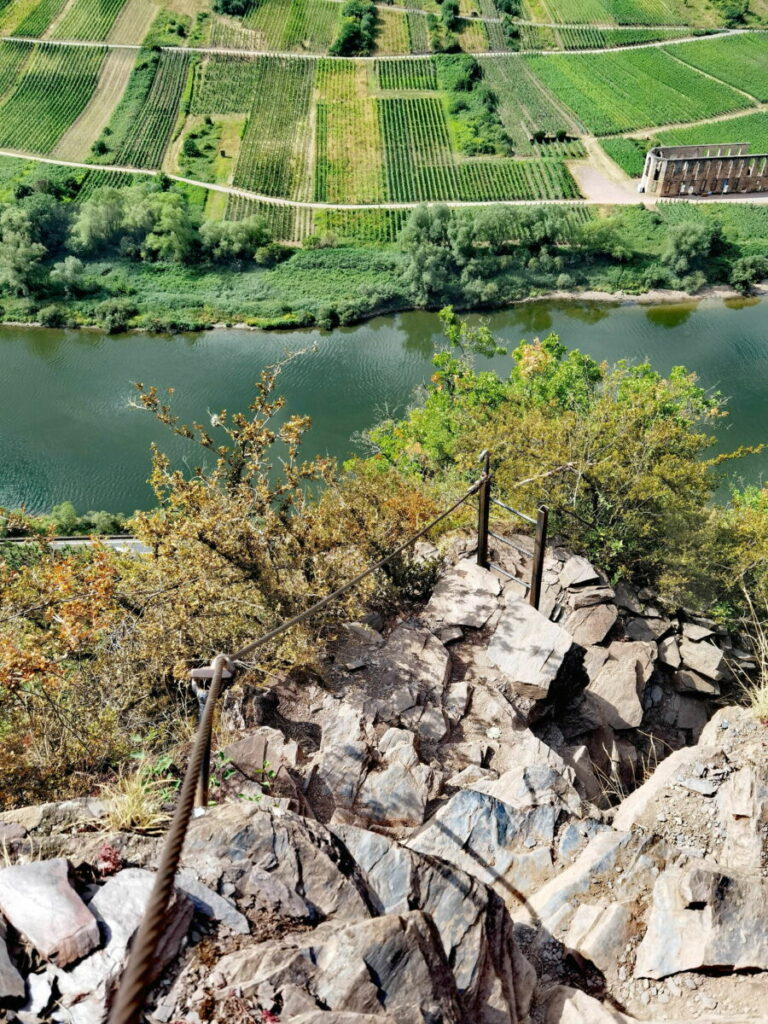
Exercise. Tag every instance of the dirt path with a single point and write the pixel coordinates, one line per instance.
(599, 199)
(244, 52)
(600, 179)
(76, 142)
(645, 133)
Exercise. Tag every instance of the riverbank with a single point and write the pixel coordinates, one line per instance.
(653, 297)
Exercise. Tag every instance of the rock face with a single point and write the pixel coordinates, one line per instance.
(11, 982)
(528, 649)
(39, 902)
(615, 693)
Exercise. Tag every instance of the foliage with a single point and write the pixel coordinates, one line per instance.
(615, 452)
(95, 646)
(357, 29)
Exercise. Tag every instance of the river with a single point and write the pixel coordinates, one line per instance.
(69, 431)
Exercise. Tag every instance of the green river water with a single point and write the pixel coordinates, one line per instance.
(68, 430)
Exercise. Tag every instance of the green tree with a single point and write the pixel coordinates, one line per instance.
(99, 220)
(20, 256)
(232, 240)
(161, 221)
(69, 274)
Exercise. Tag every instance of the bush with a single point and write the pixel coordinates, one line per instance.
(52, 316)
(113, 315)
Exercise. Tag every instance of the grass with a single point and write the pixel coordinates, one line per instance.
(135, 800)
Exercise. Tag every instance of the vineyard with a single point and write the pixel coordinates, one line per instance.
(589, 38)
(285, 25)
(400, 75)
(147, 134)
(616, 12)
(88, 19)
(348, 150)
(38, 19)
(741, 61)
(617, 92)
(524, 108)
(418, 161)
(54, 88)
(274, 157)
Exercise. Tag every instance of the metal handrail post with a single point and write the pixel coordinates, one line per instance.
(483, 510)
(539, 547)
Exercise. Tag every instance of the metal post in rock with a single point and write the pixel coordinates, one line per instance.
(483, 510)
(539, 547)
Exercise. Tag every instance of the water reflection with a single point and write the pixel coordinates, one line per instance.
(672, 315)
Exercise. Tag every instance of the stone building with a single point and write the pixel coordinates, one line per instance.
(715, 169)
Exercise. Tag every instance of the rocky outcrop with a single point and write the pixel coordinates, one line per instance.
(481, 814)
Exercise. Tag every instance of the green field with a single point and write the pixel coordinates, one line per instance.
(619, 12)
(617, 92)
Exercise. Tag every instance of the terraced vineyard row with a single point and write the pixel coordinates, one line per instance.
(618, 92)
(295, 24)
(274, 155)
(38, 19)
(590, 38)
(523, 107)
(620, 12)
(13, 57)
(56, 85)
(88, 20)
(406, 74)
(418, 159)
(145, 143)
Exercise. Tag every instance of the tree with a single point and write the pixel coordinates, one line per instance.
(688, 245)
(99, 220)
(231, 240)
(161, 222)
(69, 274)
(747, 271)
(20, 256)
(449, 12)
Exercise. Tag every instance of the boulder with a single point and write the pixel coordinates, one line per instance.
(466, 595)
(703, 918)
(647, 630)
(637, 804)
(615, 693)
(687, 681)
(344, 753)
(576, 572)
(695, 632)
(491, 975)
(396, 794)
(39, 902)
(428, 721)
(234, 846)
(262, 750)
(703, 658)
(119, 906)
(55, 817)
(644, 652)
(528, 648)
(210, 904)
(505, 848)
(592, 624)
(626, 598)
(597, 930)
(393, 964)
(11, 982)
(669, 652)
(536, 785)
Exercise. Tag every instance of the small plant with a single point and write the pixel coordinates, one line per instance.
(136, 799)
(108, 860)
